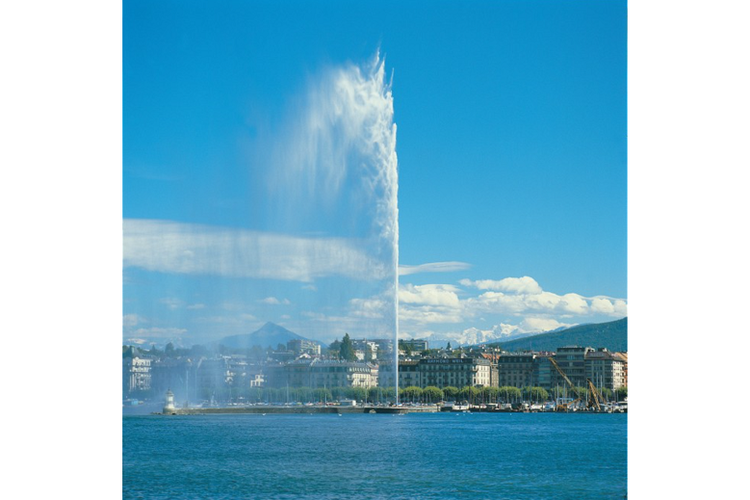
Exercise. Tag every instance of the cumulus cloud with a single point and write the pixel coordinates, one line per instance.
(433, 267)
(181, 248)
(436, 295)
(602, 306)
(130, 320)
(429, 314)
(524, 284)
(372, 308)
(574, 304)
(534, 309)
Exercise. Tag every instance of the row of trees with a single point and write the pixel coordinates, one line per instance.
(411, 394)
(506, 394)
(310, 395)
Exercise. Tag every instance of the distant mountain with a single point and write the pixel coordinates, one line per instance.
(269, 335)
(612, 335)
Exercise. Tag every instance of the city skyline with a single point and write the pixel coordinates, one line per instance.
(511, 160)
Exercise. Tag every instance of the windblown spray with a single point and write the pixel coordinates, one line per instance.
(339, 156)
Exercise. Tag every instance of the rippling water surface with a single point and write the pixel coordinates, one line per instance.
(431, 456)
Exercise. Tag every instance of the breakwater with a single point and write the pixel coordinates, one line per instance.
(301, 410)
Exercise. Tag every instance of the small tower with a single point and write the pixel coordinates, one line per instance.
(168, 403)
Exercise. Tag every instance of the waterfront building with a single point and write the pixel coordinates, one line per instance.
(177, 374)
(302, 346)
(384, 349)
(623, 357)
(409, 374)
(365, 350)
(212, 376)
(605, 369)
(416, 345)
(326, 373)
(443, 372)
(516, 369)
(385, 373)
(572, 361)
(136, 375)
(544, 372)
(257, 380)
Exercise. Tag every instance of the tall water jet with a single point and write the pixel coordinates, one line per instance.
(336, 171)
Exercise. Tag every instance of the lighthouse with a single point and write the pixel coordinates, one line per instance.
(168, 404)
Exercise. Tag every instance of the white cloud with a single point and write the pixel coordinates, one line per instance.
(573, 303)
(369, 308)
(274, 301)
(171, 303)
(505, 331)
(433, 267)
(157, 332)
(602, 306)
(436, 295)
(539, 325)
(476, 336)
(181, 248)
(193, 307)
(429, 314)
(130, 320)
(525, 285)
(535, 310)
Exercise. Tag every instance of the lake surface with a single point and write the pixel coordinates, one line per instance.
(415, 456)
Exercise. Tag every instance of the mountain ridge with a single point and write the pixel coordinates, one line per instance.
(268, 335)
(613, 335)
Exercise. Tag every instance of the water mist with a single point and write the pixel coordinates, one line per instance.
(336, 164)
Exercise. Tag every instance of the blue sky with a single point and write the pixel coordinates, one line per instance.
(512, 163)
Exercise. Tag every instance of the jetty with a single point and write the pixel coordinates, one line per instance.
(274, 410)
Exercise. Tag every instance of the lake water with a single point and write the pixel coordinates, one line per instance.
(430, 456)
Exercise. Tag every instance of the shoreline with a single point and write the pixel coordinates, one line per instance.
(280, 410)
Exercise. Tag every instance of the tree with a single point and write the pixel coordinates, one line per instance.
(255, 394)
(323, 395)
(490, 394)
(432, 394)
(357, 393)
(535, 394)
(469, 393)
(347, 349)
(154, 351)
(450, 392)
(169, 350)
(389, 393)
(412, 393)
(621, 393)
(509, 393)
(375, 394)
